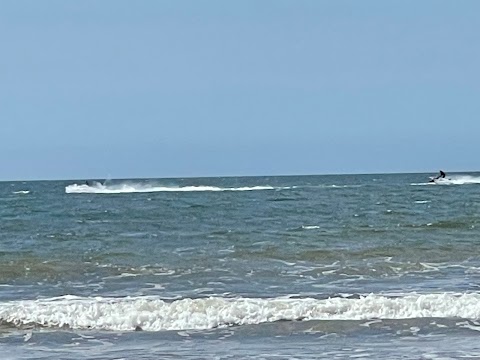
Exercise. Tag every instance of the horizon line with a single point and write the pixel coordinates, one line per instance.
(232, 176)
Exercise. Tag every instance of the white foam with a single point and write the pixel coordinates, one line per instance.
(154, 314)
(22, 192)
(453, 180)
(334, 186)
(98, 188)
(459, 180)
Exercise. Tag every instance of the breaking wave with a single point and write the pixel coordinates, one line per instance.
(98, 188)
(154, 314)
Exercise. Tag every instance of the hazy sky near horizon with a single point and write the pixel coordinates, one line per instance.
(112, 88)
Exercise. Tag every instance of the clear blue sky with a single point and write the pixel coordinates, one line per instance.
(112, 88)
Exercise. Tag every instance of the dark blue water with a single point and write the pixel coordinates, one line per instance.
(373, 266)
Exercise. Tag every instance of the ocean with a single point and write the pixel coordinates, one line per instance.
(294, 267)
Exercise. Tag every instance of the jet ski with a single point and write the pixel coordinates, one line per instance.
(439, 178)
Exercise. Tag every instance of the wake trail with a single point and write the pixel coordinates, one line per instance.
(453, 180)
(98, 188)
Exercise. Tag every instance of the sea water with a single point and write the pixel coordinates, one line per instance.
(297, 267)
